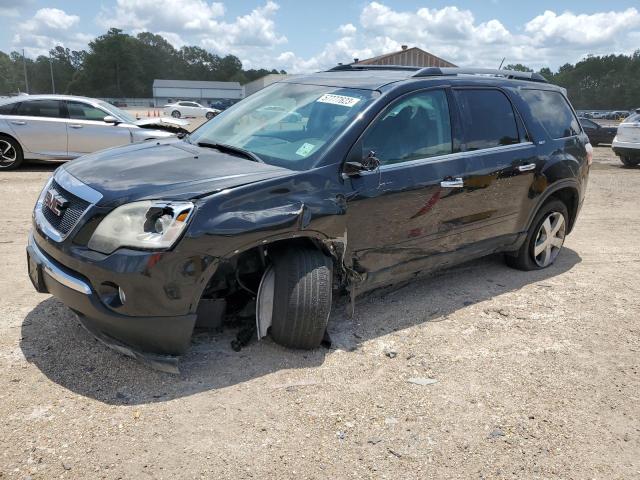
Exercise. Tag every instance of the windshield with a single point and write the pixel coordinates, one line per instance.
(286, 124)
(117, 112)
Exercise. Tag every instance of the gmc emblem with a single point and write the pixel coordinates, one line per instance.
(55, 202)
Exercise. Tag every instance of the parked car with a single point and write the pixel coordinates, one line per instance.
(63, 127)
(190, 109)
(394, 171)
(597, 133)
(626, 145)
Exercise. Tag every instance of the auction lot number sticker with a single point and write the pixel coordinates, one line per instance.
(338, 100)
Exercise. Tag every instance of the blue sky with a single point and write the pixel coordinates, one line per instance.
(303, 35)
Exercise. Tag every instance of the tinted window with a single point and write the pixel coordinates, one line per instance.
(7, 109)
(39, 108)
(184, 104)
(84, 111)
(552, 110)
(487, 118)
(632, 118)
(417, 126)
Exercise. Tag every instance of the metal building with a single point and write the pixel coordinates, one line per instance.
(407, 56)
(167, 91)
(260, 83)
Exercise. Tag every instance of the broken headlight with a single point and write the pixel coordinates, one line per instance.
(146, 225)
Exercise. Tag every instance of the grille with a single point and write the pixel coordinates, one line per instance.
(70, 215)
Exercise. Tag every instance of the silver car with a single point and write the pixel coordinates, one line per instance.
(62, 127)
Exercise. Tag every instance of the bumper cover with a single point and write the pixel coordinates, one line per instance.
(157, 341)
(625, 147)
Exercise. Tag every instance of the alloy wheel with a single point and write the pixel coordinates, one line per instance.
(8, 154)
(549, 239)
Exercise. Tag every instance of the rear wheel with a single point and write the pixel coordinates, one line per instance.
(544, 240)
(302, 297)
(175, 114)
(11, 156)
(628, 161)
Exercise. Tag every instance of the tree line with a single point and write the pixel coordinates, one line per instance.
(609, 82)
(118, 65)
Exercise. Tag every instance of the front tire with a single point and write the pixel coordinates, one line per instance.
(209, 115)
(545, 238)
(11, 156)
(302, 297)
(175, 114)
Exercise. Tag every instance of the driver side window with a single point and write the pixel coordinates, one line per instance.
(84, 111)
(417, 126)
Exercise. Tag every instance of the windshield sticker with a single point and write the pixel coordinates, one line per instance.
(305, 149)
(338, 100)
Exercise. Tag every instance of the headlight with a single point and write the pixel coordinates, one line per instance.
(146, 225)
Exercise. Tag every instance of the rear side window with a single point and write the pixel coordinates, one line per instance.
(7, 108)
(552, 110)
(39, 108)
(487, 117)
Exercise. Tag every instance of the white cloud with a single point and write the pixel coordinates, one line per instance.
(452, 33)
(48, 28)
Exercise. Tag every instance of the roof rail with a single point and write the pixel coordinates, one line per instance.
(511, 74)
(358, 67)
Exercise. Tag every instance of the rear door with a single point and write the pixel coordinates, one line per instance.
(88, 132)
(40, 127)
(502, 166)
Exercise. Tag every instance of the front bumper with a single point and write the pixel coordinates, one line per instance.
(156, 340)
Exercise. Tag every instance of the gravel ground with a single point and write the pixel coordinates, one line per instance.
(537, 374)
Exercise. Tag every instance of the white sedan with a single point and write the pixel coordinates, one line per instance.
(190, 109)
(627, 142)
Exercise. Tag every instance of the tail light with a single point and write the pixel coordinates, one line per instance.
(589, 150)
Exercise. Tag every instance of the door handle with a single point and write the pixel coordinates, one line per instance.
(18, 122)
(75, 125)
(528, 167)
(454, 183)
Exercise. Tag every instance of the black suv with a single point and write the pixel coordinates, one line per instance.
(386, 172)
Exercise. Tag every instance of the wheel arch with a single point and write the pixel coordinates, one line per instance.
(333, 248)
(567, 192)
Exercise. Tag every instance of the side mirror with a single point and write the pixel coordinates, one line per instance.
(367, 164)
(111, 119)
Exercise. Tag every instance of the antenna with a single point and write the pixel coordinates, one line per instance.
(503, 59)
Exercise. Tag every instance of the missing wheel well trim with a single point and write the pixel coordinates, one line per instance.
(568, 196)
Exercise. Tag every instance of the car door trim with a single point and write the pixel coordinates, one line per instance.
(449, 156)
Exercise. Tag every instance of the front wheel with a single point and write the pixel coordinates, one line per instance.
(210, 115)
(545, 238)
(302, 297)
(175, 114)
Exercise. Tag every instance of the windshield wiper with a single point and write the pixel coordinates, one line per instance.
(223, 147)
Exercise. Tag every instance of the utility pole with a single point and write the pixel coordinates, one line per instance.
(26, 81)
(53, 85)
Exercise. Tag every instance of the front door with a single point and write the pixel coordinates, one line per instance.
(88, 132)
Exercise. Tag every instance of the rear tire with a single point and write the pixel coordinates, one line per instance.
(11, 155)
(175, 114)
(302, 297)
(629, 162)
(545, 238)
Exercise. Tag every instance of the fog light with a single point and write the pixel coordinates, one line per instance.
(121, 295)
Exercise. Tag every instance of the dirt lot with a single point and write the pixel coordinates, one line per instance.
(538, 374)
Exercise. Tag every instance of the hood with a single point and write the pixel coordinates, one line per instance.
(168, 169)
(170, 124)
